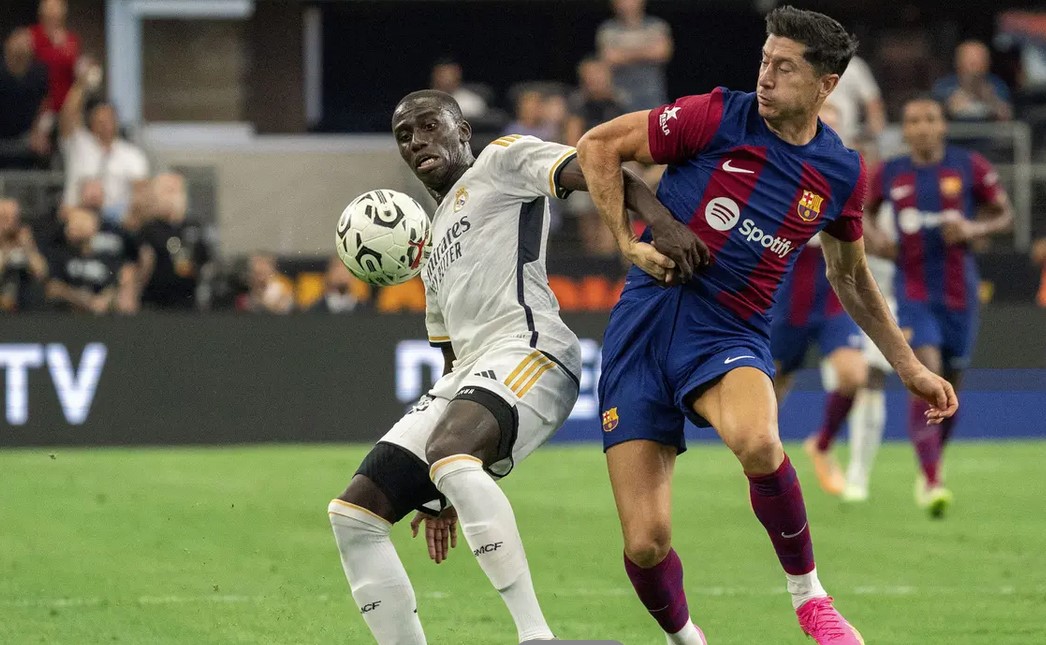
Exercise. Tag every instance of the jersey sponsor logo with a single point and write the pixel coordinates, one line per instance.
(727, 166)
(912, 220)
(445, 251)
(460, 197)
(666, 116)
(778, 245)
(610, 420)
(897, 193)
(487, 548)
(809, 207)
(722, 213)
(951, 186)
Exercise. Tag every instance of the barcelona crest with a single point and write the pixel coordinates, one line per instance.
(809, 206)
(610, 419)
(951, 186)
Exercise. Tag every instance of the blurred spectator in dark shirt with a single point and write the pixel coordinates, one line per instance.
(56, 47)
(338, 293)
(83, 278)
(97, 150)
(268, 291)
(24, 139)
(531, 117)
(973, 93)
(446, 77)
(594, 102)
(22, 268)
(637, 47)
(175, 249)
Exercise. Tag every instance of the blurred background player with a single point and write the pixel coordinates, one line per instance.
(807, 310)
(637, 47)
(944, 198)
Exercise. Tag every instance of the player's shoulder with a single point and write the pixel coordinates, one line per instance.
(837, 159)
(494, 156)
(959, 156)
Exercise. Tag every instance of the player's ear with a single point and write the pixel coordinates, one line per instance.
(465, 131)
(828, 83)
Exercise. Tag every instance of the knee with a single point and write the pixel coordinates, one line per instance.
(851, 373)
(648, 545)
(759, 452)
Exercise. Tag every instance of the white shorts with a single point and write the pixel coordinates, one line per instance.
(541, 391)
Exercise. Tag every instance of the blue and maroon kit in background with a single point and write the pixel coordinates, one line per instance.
(936, 283)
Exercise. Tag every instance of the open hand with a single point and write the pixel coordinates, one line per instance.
(441, 532)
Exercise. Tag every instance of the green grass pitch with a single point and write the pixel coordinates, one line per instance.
(233, 546)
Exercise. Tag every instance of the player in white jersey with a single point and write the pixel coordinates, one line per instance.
(510, 374)
(868, 417)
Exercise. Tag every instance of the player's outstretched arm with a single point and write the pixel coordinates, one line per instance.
(852, 280)
(601, 152)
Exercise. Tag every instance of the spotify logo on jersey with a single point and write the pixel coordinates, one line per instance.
(722, 213)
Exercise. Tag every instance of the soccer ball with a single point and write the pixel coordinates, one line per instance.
(383, 237)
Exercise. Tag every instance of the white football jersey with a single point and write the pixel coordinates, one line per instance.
(485, 280)
(882, 269)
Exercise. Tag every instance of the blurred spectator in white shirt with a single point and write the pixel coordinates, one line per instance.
(97, 151)
(637, 47)
(973, 93)
(446, 77)
(22, 267)
(857, 95)
(24, 138)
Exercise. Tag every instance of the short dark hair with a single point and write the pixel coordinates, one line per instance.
(445, 101)
(829, 47)
(922, 97)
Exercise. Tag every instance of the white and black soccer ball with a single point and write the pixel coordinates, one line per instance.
(384, 237)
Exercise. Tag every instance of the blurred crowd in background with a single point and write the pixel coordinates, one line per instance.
(122, 238)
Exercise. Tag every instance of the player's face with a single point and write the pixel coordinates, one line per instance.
(430, 142)
(789, 86)
(923, 125)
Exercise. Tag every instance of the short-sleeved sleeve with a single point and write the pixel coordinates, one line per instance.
(529, 167)
(434, 326)
(849, 227)
(680, 130)
(985, 180)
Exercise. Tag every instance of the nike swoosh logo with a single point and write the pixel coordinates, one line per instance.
(787, 537)
(730, 168)
(737, 358)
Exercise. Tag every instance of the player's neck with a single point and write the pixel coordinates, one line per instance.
(441, 193)
(794, 131)
(928, 157)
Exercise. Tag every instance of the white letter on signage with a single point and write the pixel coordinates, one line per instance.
(76, 391)
(17, 359)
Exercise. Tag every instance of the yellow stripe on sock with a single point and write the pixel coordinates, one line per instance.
(341, 502)
(451, 459)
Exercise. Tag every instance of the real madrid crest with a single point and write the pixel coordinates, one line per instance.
(809, 206)
(460, 198)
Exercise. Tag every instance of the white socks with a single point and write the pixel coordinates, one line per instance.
(689, 635)
(867, 421)
(376, 576)
(489, 527)
(804, 587)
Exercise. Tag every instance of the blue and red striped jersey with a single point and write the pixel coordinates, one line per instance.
(805, 296)
(753, 198)
(924, 197)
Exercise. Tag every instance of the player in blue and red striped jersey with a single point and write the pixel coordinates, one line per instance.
(753, 176)
(944, 199)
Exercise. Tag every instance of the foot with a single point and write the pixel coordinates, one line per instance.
(829, 474)
(855, 494)
(939, 499)
(822, 622)
(689, 635)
